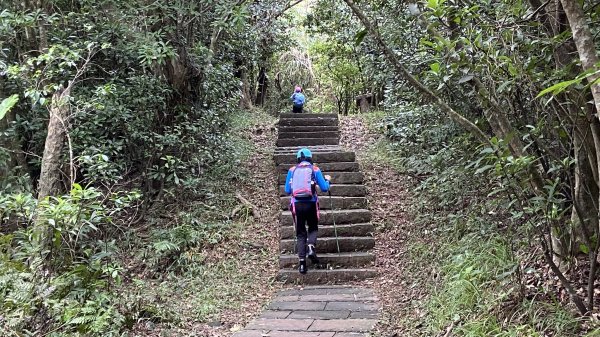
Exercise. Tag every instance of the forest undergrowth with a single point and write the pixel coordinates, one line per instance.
(196, 266)
(216, 288)
(446, 263)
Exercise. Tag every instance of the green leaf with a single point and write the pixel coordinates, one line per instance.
(360, 36)
(433, 4)
(483, 169)
(427, 43)
(561, 86)
(487, 150)
(557, 88)
(435, 67)
(7, 104)
(465, 78)
(503, 86)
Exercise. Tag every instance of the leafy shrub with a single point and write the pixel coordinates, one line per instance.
(73, 295)
(417, 136)
(181, 247)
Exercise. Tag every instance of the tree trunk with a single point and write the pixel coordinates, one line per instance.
(246, 99)
(584, 40)
(498, 120)
(363, 104)
(585, 190)
(50, 176)
(263, 86)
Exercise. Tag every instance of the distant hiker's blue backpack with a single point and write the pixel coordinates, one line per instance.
(298, 99)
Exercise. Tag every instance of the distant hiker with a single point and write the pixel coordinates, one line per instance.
(298, 100)
(300, 183)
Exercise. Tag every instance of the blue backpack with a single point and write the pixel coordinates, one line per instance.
(298, 99)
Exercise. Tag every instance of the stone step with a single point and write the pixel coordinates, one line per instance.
(351, 259)
(322, 276)
(309, 134)
(314, 148)
(305, 142)
(336, 190)
(326, 167)
(344, 178)
(306, 115)
(293, 151)
(313, 128)
(334, 202)
(309, 122)
(318, 157)
(348, 216)
(361, 229)
(329, 244)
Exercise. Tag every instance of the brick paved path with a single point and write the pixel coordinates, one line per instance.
(320, 311)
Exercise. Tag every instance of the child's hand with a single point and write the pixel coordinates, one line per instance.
(327, 177)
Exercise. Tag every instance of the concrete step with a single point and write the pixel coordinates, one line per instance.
(343, 260)
(326, 167)
(318, 157)
(334, 202)
(306, 115)
(307, 141)
(361, 229)
(309, 134)
(337, 177)
(337, 190)
(348, 216)
(308, 122)
(329, 245)
(312, 128)
(322, 276)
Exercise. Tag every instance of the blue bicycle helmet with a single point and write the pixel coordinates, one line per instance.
(304, 153)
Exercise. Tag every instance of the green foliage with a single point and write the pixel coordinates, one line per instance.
(344, 60)
(472, 267)
(77, 297)
(181, 248)
(339, 71)
(150, 102)
(461, 192)
(7, 104)
(417, 135)
(479, 280)
(558, 88)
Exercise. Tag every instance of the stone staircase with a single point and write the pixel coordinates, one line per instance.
(347, 206)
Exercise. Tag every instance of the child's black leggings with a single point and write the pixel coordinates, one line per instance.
(306, 215)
